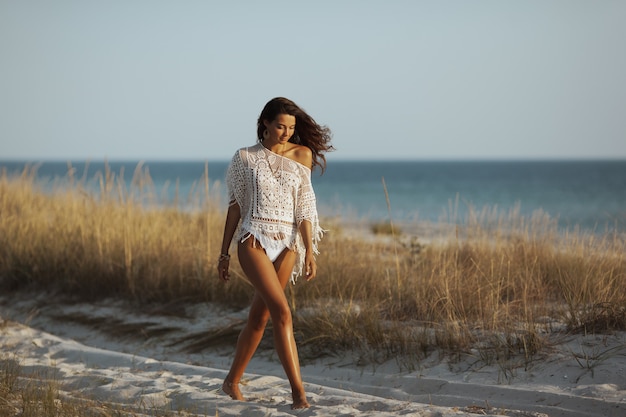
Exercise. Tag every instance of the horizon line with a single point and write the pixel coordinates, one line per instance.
(341, 160)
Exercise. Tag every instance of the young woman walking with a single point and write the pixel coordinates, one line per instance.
(272, 214)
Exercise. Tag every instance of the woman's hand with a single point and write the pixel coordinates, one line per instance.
(232, 220)
(310, 266)
(222, 267)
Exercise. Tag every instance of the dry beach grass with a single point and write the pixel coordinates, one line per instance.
(496, 284)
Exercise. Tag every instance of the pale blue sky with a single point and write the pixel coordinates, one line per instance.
(148, 79)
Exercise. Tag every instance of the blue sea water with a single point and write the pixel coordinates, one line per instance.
(588, 194)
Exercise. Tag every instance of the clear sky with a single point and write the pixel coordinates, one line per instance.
(151, 79)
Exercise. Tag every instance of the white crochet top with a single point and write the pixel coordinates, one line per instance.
(275, 195)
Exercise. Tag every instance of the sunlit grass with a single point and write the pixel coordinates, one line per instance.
(116, 241)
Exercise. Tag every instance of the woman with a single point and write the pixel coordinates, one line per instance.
(271, 195)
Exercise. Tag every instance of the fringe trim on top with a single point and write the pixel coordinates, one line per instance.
(296, 244)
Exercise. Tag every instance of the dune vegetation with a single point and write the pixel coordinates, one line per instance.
(494, 283)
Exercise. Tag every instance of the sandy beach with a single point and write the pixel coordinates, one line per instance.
(176, 357)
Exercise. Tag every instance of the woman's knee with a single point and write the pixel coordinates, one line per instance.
(258, 321)
(281, 316)
(258, 314)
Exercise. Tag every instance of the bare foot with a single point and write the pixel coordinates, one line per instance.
(232, 389)
(300, 402)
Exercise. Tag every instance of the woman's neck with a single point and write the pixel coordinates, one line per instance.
(278, 148)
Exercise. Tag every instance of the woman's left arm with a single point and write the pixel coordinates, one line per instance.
(305, 157)
(310, 266)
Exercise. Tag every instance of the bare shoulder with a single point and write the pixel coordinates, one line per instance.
(303, 155)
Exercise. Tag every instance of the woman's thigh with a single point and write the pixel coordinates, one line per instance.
(283, 265)
(269, 279)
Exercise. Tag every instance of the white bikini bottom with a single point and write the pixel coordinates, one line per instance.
(274, 253)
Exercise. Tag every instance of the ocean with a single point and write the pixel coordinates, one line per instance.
(590, 195)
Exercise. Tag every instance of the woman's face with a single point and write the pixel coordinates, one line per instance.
(281, 129)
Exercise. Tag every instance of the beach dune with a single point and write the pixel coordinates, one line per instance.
(140, 374)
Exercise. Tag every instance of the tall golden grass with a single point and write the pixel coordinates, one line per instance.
(115, 242)
(495, 281)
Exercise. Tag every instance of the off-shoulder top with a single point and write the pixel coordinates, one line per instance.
(275, 196)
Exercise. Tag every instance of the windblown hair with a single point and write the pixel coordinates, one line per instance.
(307, 133)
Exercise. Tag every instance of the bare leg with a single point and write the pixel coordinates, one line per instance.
(269, 299)
(247, 343)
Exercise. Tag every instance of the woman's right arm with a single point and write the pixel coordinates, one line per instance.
(232, 220)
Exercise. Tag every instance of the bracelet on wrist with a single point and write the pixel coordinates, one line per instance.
(224, 257)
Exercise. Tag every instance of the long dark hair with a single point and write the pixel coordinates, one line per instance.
(308, 132)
